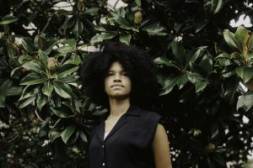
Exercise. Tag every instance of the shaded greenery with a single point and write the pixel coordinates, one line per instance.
(203, 65)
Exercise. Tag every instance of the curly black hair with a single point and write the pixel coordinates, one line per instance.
(136, 62)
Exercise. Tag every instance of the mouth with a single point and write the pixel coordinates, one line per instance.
(117, 86)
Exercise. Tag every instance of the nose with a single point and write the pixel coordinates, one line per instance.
(117, 77)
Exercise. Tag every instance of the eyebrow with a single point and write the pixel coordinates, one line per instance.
(114, 71)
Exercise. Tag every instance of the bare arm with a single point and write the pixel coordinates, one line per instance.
(161, 148)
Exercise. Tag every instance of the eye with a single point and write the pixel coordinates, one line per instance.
(109, 74)
(124, 73)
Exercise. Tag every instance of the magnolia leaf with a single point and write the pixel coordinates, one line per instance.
(230, 39)
(43, 57)
(168, 85)
(101, 37)
(41, 101)
(66, 134)
(8, 20)
(245, 73)
(2, 101)
(13, 91)
(125, 38)
(27, 44)
(199, 82)
(206, 64)
(200, 85)
(138, 3)
(199, 53)
(47, 89)
(181, 80)
(92, 11)
(155, 30)
(63, 89)
(32, 79)
(179, 52)
(245, 101)
(68, 46)
(83, 136)
(53, 135)
(165, 61)
(217, 5)
(242, 36)
(250, 42)
(61, 112)
(33, 66)
(66, 69)
(27, 102)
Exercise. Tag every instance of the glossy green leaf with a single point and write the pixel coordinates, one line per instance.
(8, 20)
(33, 66)
(47, 89)
(125, 38)
(181, 80)
(2, 101)
(250, 42)
(53, 135)
(27, 44)
(32, 79)
(230, 39)
(245, 73)
(199, 82)
(206, 64)
(165, 61)
(102, 37)
(245, 102)
(83, 136)
(93, 11)
(68, 46)
(63, 90)
(119, 18)
(199, 53)
(66, 69)
(62, 112)
(200, 85)
(138, 2)
(67, 133)
(27, 102)
(41, 101)
(13, 91)
(155, 30)
(43, 57)
(242, 35)
(217, 5)
(168, 84)
(179, 53)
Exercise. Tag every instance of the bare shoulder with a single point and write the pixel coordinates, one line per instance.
(160, 132)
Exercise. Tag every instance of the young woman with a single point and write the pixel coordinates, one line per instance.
(121, 78)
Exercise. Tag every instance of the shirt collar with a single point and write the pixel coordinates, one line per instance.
(133, 111)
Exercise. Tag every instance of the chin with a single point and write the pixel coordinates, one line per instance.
(119, 96)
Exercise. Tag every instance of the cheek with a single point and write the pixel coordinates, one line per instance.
(106, 84)
(129, 84)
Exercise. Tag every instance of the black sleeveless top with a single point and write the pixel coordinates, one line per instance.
(128, 144)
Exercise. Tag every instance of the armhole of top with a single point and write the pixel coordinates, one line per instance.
(155, 120)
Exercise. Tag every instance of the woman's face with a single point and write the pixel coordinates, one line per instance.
(117, 82)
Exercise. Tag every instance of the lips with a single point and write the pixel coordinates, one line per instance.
(113, 86)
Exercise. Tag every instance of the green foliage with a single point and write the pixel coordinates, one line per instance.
(203, 65)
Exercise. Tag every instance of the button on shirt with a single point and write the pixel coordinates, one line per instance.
(128, 144)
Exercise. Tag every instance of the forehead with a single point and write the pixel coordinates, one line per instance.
(116, 66)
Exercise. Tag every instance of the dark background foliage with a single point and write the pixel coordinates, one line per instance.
(203, 64)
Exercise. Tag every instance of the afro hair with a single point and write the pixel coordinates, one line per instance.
(136, 62)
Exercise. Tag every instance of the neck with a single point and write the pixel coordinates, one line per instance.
(118, 107)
